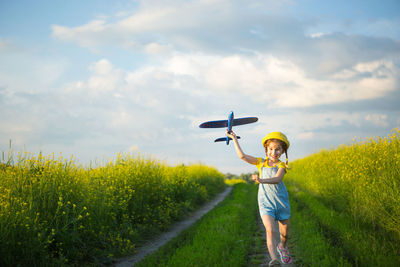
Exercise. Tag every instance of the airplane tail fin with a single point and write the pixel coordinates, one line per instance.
(224, 139)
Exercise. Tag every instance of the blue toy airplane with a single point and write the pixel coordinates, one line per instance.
(227, 123)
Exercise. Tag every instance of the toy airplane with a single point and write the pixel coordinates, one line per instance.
(227, 123)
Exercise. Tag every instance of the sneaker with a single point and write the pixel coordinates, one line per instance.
(274, 263)
(285, 255)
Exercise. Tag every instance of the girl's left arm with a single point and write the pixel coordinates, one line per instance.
(275, 180)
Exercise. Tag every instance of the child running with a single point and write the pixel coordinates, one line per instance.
(273, 199)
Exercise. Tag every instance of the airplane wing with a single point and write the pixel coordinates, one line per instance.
(242, 121)
(214, 124)
(224, 123)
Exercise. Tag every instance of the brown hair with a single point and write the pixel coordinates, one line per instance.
(281, 143)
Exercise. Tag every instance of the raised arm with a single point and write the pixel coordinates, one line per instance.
(239, 151)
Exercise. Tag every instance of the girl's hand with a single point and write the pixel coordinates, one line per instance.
(254, 177)
(231, 134)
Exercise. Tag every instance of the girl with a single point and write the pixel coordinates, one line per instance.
(273, 199)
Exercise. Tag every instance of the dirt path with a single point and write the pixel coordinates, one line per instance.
(155, 244)
(259, 257)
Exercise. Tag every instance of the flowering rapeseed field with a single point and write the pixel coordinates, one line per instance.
(55, 212)
(363, 178)
(354, 193)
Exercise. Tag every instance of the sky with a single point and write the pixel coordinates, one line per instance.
(93, 79)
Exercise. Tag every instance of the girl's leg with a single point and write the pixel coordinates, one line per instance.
(284, 232)
(270, 229)
(284, 235)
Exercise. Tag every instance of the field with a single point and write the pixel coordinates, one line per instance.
(347, 204)
(345, 210)
(337, 214)
(54, 212)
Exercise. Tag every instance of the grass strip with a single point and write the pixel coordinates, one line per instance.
(308, 240)
(359, 247)
(223, 237)
(258, 253)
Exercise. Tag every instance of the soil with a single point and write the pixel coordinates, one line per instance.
(259, 257)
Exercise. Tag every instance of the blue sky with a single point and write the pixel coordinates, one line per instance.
(94, 78)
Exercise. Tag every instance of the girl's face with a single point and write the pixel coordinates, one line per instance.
(274, 151)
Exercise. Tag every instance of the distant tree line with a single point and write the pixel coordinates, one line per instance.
(243, 176)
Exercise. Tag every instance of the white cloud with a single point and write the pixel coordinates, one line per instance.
(88, 35)
(164, 25)
(377, 119)
(155, 48)
(263, 79)
(306, 135)
(317, 35)
(141, 29)
(283, 83)
(105, 78)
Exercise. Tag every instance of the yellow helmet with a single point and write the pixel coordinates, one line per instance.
(276, 135)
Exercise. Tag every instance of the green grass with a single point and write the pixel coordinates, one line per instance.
(361, 246)
(307, 239)
(223, 237)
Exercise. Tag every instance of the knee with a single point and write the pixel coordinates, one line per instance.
(284, 235)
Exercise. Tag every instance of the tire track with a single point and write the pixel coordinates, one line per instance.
(178, 227)
(259, 256)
